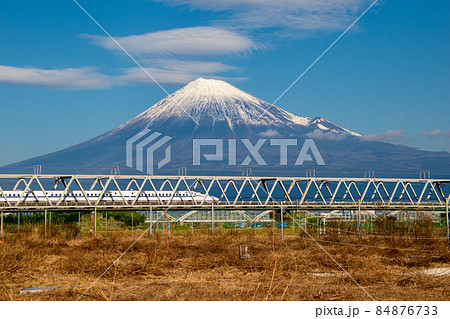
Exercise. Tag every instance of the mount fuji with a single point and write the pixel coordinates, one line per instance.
(239, 123)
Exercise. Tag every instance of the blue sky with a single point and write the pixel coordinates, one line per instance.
(62, 81)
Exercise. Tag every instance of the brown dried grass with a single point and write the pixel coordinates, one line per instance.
(205, 267)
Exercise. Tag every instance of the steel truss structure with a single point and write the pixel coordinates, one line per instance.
(205, 216)
(233, 193)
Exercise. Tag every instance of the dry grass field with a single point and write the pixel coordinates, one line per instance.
(206, 267)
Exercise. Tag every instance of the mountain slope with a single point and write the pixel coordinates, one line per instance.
(216, 110)
(212, 101)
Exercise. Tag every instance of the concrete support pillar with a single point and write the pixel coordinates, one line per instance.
(293, 223)
(95, 221)
(359, 219)
(45, 225)
(212, 219)
(446, 211)
(1, 226)
(151, 221)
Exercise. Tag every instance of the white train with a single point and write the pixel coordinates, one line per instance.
(108, 197)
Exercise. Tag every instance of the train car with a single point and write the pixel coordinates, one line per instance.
(127, 196)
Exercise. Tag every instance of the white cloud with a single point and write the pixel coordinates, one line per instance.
(168, 55)
(86, 78)
(137, 76)
(327, 135)
(287, 14)
(192, 66)
(269, 133)
(64, 79)
(194, 41)
(389, 136)
(436, 133)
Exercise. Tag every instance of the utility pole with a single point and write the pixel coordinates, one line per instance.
(282, 222)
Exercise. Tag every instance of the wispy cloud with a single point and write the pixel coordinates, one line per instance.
(269, 133)
(171, 56)
(87, 78)
(194, 41)
(136, 76)
(327, 135)
(436, 133)
(192, 66)
(63, 79)
(309, 15)
(389, 136)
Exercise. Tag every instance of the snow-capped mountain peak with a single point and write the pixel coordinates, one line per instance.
(215, 101)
